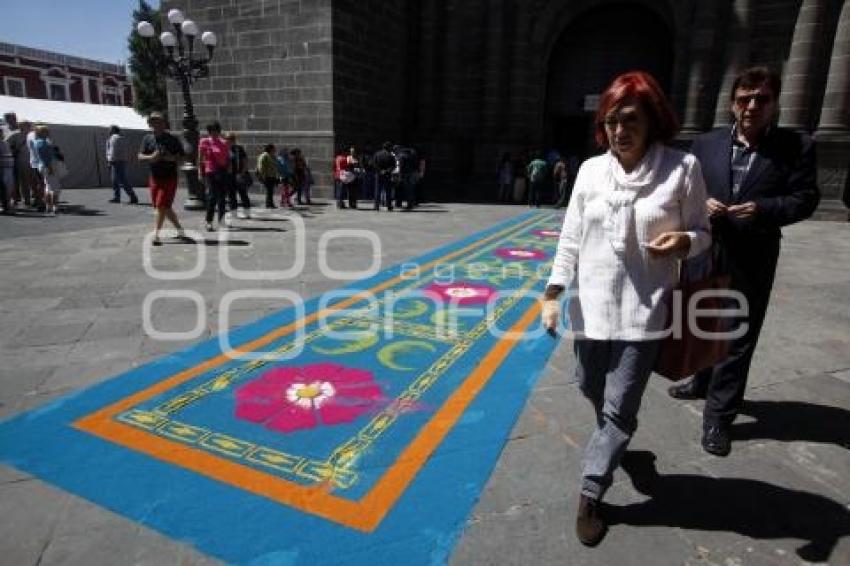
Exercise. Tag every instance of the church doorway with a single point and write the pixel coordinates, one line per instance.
(594, 48)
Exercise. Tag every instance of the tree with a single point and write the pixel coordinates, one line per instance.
(145, 61)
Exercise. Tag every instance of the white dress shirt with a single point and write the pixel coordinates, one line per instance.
(617, 288)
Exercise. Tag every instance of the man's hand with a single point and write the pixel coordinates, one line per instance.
(742, 211)
(550, 314)
(669, 243)
(715, 207)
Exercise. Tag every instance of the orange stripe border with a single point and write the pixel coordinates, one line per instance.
(367, 513)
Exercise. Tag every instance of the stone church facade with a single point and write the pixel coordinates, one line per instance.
(464, 81)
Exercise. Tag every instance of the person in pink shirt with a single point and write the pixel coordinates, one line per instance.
(213, 162)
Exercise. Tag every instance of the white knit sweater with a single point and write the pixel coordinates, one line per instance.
(621, 288)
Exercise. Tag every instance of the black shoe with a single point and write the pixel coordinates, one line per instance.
(715, 440)
(687, 391)
(115, 200)
(590, 527)
(134, 200)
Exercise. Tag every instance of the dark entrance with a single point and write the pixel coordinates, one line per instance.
(597, 46)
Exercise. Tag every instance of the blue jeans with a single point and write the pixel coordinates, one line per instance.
(384, 191)
(119, 180)
(612, 374)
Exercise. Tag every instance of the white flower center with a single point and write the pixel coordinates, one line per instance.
(309, 395)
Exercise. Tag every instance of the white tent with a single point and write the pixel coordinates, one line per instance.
(81, 130)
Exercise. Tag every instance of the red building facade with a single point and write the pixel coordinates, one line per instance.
(34, 73)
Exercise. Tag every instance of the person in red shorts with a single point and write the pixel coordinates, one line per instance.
(162, 151)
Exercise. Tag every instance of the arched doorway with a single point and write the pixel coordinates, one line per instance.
(594, 48)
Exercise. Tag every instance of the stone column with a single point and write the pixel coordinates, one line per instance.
(835, 114)
(736, 59)
(833, 134)
(699, 113)
(804, 69)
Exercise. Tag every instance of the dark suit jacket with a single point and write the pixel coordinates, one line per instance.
(781, 181)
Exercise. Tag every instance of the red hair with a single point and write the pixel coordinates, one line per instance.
(642, 87)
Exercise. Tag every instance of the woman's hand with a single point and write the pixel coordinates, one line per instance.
(550, 314)
(669, 243)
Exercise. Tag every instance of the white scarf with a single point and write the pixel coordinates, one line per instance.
(625, 188)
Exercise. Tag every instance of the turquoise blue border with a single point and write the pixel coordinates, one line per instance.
(239, 527)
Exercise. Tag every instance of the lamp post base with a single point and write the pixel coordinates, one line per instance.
(194, 190)
(193, 203)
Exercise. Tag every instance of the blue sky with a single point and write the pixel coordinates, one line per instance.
(96, 29)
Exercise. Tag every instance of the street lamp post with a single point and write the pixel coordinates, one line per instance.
(178, 61)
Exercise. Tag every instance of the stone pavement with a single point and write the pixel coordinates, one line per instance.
(70, 316)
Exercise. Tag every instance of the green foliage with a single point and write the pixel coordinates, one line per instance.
(145, 56)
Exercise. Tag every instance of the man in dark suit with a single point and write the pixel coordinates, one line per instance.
(759, 178)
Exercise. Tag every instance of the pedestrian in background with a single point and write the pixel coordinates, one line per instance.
(300, 176)
(162, 152)
(537, 172)
(340, 165)
(385, 164)
(17, 140)
(636, 211)
(354, 167)
(48, 168)
(214, 161)
(286, 176)
(37, 181)
(506, 178)
(267, 172)
(561, 180)
(238, 178)
(117, 155)
(7, 174)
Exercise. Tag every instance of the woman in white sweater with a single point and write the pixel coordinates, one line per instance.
(635, 211)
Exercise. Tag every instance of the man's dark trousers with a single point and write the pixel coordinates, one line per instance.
(781, 181)
(751, 267)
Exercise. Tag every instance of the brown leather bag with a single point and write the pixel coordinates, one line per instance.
(682, 353)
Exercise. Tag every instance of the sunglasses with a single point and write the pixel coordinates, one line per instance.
(760, 99)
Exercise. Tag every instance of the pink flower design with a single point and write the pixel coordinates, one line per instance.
(547, 233)
(461, 293)
(295, 398)
(521, 254)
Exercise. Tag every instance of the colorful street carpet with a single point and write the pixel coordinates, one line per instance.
(359, 429)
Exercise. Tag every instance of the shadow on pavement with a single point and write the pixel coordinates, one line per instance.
(64, 210)
(254, 229)
(794, 420)
(224, 243)
(751, 508)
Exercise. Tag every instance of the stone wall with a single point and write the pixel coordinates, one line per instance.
(464, 81)
(271, 76)
(371, 88)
